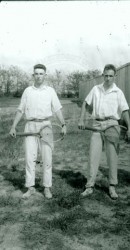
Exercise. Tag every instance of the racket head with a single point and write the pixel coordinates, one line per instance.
(57, 132)
(51, 133)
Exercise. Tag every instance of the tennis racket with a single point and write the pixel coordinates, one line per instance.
(109, 133)
(48, 133)
(74, 129)
(73, 125)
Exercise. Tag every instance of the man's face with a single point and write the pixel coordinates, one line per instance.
(109, 77)
(39, 76)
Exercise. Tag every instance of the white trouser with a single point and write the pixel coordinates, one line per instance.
(96, 145)
(32, 145)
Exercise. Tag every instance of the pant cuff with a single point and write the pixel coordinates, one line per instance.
(30, 185)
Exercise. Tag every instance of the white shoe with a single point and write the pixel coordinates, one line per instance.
(30, 192)
(112, 193)
(47, 193)
(87, 192)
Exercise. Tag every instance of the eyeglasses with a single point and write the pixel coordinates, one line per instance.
(108, 76)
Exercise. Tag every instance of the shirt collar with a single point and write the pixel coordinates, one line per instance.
(42, 87)
(113, 89)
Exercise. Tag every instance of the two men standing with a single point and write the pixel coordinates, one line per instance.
(108, 105)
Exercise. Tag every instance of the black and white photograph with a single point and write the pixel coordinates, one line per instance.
(65, 125)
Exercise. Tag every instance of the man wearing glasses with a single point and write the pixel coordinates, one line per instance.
(108, 105)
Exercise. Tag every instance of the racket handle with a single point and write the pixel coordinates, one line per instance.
(99, 130)
(93, 129)
(27, 134)
(123, 127)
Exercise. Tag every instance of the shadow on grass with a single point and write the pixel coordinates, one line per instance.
(123, 176)
(103, 189)
(78, 181)
(75, 180)
(13, 175)
(16, 176)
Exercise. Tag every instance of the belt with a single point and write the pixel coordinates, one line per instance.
(37, 120)
(104, 119)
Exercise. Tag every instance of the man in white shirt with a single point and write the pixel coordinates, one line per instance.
(108, 104)
(38, 103)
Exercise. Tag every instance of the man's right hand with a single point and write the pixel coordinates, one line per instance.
(13, 132)
(81, 125)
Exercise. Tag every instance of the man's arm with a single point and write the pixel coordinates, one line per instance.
(126, 118)
(60, 117)
(16, 121)
(84, 109)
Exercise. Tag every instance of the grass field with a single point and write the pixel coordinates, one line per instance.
(66, 222)
(8, 101)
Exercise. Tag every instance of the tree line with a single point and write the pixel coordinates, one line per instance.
(14, 80)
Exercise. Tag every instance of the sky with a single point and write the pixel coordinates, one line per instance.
(65, 36)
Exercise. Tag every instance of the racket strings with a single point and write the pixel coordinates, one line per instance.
(52, 133)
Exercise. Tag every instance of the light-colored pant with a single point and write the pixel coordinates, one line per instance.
(32, 145)
(96, 145)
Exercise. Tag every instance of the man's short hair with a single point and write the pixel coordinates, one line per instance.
(39, 66)
(110, 67)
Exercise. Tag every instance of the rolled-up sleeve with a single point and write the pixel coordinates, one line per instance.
(89, 97)
(123, 105)
(22, 104)
(56, 105)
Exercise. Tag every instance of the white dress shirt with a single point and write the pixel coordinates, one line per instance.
(110, 103)
(39, 103)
